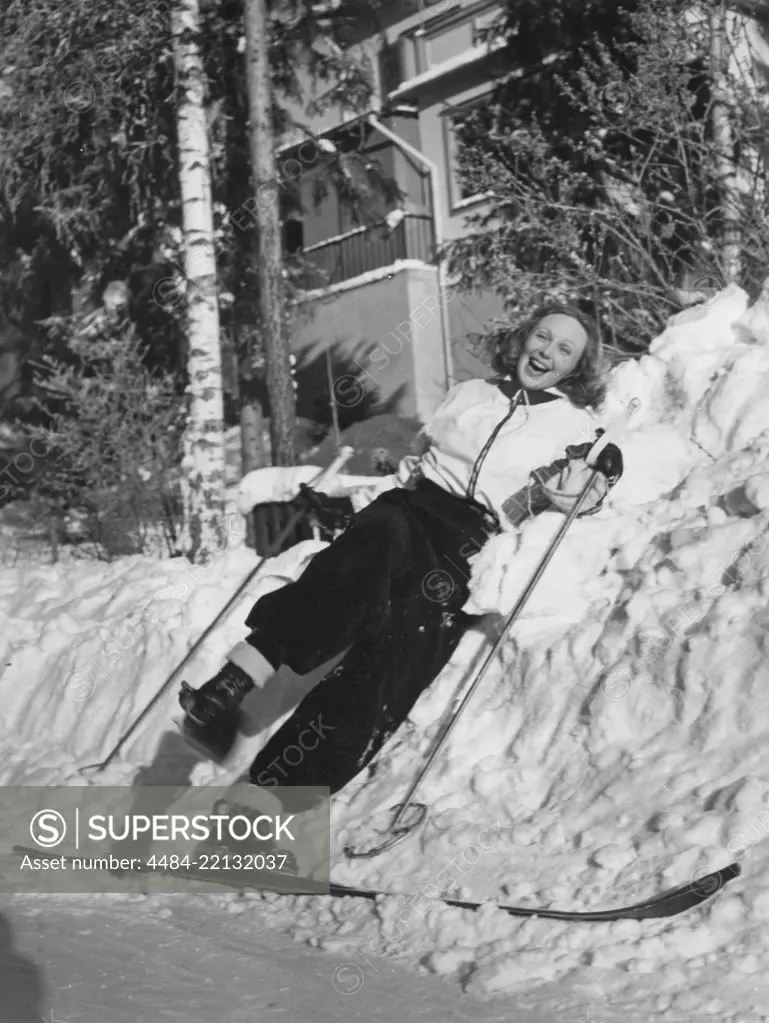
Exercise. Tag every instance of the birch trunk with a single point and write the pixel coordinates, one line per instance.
(203, 466)
(723, 146)
(270, 256)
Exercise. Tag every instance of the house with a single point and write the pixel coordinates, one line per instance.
(377, 307)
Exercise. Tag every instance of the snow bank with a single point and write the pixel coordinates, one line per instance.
(618, 746)
(281, 483)
(86, 645)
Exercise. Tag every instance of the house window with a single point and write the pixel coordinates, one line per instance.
(446, 42)
(456, 128)
(391, 72)
(441, 39)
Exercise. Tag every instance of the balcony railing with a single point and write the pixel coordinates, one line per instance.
(369, 248)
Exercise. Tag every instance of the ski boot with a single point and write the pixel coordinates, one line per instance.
(212, 713)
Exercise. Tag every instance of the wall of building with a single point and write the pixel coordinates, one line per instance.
(387, 331)
(412, 178)
(362, 320)
(469, 313)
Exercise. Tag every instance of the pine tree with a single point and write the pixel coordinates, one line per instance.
(269, 257)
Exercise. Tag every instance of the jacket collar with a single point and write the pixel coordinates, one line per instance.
(511, 387)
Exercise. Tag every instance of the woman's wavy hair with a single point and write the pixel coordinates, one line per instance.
(586, 385)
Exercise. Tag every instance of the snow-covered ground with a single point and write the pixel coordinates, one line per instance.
(617, 748)
(79, 960)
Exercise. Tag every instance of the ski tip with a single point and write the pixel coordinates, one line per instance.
(704, 888)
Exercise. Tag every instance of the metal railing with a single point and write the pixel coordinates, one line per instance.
(369, 248)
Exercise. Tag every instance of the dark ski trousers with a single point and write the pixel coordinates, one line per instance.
(390, 588)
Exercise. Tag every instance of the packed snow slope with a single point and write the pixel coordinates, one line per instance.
(618, 747)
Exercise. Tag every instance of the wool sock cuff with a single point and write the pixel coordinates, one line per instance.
(268, 647)
(255, 665)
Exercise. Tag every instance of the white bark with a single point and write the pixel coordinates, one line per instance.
(204, 450)
(723, 147)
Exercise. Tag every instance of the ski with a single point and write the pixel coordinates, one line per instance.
(669, 903)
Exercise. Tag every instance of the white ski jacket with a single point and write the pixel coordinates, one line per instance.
(539, 430)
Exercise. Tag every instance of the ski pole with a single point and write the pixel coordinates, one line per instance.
(345, 454)
(398, 833)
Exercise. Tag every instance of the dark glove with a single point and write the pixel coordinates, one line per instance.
(533, 498)
(609, 461)
(563, 490)
(325, 510)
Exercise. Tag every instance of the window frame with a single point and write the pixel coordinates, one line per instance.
(457, 202)
(417, 37)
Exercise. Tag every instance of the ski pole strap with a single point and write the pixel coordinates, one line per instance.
(614, 431)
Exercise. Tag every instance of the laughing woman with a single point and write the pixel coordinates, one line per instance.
(389, 591)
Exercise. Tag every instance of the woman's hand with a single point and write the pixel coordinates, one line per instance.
(564, 489)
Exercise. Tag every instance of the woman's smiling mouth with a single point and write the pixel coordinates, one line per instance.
(537, 365)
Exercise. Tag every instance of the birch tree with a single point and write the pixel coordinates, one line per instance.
(204, 453)
(724, 144)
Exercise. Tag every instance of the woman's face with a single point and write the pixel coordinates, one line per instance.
(551, 352)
